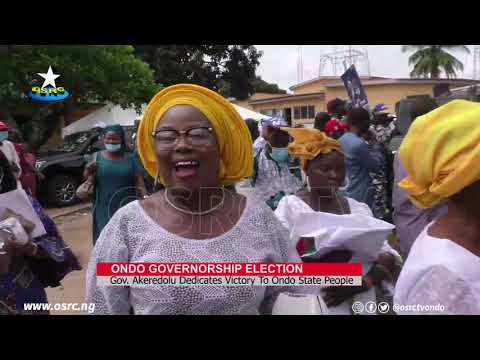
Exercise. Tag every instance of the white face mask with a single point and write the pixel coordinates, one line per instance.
(306, 181)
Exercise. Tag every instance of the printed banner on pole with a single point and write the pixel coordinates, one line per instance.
(354, 88)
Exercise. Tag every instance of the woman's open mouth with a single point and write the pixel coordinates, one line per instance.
(183, 169)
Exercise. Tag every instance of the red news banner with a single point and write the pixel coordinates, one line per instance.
(229, 274)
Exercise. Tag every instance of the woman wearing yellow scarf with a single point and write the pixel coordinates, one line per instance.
(195, 143)
(441, 154)
(325, 226)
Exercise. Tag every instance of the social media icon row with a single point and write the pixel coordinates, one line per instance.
(370, 307)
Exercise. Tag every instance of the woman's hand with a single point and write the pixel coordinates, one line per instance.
(335, 295)
(28, 249)
(91, 168)
(5, 259)
(379, 273)
(335, 256)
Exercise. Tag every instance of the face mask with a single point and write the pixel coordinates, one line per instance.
(113, 147)
(280, 155)
(3, 135)
(309, 188)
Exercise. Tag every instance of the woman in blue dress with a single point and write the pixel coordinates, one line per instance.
(115, 182)
(26, 270)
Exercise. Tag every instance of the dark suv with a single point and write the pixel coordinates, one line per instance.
(63, 166)
(404, 109)
(405, 119)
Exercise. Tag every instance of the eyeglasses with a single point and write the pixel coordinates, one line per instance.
(196, 136)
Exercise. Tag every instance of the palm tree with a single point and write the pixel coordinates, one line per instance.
(431, 60)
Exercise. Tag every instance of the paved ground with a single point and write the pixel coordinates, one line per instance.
(57, 212)
(76, 230)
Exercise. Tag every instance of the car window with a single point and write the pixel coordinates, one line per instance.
(98, 146)
(404, 117)
(74, 142)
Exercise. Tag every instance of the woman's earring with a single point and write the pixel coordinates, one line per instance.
(309, 188)
(156, 179)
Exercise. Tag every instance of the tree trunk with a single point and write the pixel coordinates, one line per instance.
(4, 114)
(68, 111)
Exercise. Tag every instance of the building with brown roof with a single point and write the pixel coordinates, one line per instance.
(311, 96)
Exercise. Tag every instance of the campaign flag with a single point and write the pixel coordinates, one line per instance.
(354, 88)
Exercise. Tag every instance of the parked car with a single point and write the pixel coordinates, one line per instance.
(404, 109)
(471, 93)
(404, 119)
(63, 166)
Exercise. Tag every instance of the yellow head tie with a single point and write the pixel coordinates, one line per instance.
(309, 143)
(441, 153)
(233, 137)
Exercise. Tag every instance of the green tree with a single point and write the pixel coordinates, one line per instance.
(229, 69)
(91, 73)
(431, 60)
(240, 70)
(261, 86)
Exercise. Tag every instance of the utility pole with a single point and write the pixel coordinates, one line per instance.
(342, 58)
(476, 62)
(299, 64)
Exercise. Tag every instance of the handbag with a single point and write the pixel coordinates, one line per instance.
(299, 304)
(86, 189)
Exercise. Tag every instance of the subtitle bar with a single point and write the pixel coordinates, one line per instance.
(155, 281)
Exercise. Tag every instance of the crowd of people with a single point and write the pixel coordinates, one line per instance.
(409, 219)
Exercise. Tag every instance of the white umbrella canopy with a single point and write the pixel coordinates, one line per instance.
(114, 114)
(249, 114)
(107, 115)
(244, 113)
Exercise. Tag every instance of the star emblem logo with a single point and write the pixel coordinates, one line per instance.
(49, 78)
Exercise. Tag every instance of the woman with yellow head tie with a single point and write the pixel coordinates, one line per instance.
(325, 226)
(194, 142)
(441, 155)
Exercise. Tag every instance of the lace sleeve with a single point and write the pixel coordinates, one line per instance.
(111, 246)
(440, 286)
(282, 212)
(285, 252)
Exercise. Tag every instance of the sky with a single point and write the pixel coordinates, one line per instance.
(279, 62)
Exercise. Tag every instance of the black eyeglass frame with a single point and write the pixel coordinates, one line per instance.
(182, 132)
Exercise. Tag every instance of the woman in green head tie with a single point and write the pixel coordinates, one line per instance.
(114, 170)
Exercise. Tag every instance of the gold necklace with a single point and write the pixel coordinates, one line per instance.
(169, 202)
(337, 198)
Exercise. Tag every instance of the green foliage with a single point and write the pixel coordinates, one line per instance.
(91, 73)
(431, 60)
(228, 69)
(261, 86)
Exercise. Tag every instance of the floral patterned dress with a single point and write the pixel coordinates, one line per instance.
(27, 279)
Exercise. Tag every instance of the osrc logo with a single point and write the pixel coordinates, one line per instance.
(49, 91)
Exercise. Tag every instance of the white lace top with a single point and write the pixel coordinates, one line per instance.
(132, 236)
(273, 177)
(439, 272)
(292, 209)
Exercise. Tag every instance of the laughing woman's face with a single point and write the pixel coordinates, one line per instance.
(187, 149)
